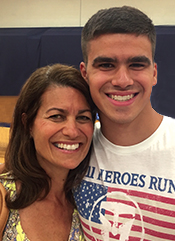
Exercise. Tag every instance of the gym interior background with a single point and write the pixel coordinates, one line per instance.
(34, 33)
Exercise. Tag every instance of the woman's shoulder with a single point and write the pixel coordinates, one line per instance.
(2, 166)
(7, 180)
(76, 232)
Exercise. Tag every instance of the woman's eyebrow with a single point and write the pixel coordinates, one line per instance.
(57, 109)
(85, 110)
(64, 111)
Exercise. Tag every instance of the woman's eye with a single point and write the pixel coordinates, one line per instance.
(84, 118)
(56, 117)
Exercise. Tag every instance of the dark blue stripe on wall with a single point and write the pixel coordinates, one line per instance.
(162, 98)
(3, 124)
(22, 50)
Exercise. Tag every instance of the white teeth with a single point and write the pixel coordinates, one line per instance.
(67, 147)
(121, 98)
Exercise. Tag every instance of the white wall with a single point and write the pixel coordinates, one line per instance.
(58, 13)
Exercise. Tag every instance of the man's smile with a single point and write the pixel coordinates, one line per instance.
(121, 98)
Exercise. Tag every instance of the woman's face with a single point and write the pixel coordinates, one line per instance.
(63, 129)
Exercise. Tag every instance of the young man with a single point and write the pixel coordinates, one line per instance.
(129, 190)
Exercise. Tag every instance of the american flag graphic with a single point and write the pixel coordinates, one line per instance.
(120, 214)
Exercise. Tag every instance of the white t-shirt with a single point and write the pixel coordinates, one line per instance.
(129, 192)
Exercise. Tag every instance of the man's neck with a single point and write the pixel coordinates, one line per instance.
(132, 133)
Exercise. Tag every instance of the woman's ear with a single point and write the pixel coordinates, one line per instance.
(24, 119)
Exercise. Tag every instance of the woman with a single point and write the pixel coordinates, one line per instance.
(48, 155)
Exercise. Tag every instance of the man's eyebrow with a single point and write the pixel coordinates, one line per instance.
(139, 59)
(101, 59)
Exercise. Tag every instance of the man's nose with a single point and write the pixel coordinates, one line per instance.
(122, 78)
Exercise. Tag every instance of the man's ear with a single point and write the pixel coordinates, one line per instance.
(83, 71)
(155, 74)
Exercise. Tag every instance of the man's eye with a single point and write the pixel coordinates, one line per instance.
(106, 65)
(137, 65)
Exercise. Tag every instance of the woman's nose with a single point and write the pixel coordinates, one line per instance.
(70, 129)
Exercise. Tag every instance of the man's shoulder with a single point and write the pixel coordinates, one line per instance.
(97, 127)
(169, 118)
(168, 121)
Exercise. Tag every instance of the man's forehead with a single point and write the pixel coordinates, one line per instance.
(97, 53)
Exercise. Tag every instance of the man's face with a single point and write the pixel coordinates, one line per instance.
(120, 72)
